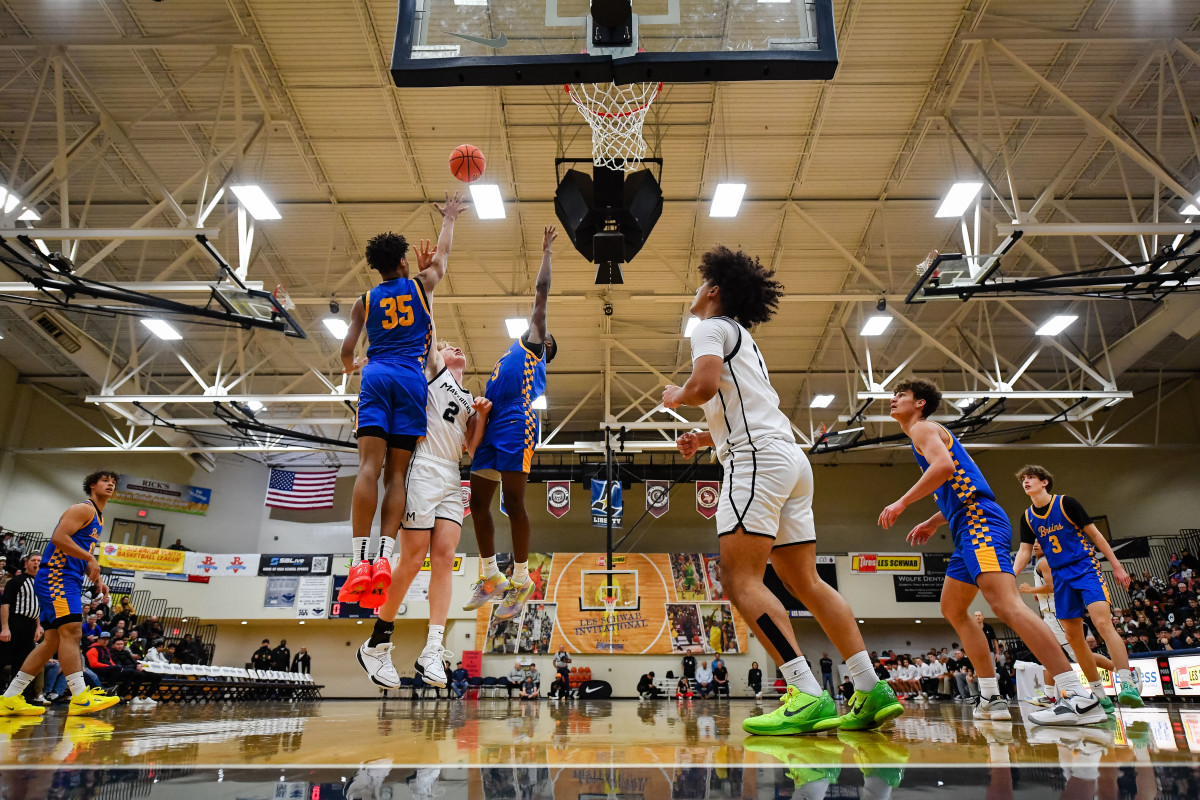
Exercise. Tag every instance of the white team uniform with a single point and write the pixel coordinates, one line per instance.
(433, 485)
(1046, 604)
(768, 485)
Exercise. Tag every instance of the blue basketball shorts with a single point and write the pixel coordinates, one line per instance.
(391, 402)
(507, 446)
(60, 597)
(982, 542)
(1077, 586)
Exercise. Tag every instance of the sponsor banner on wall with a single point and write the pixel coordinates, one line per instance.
(658, 497)
(888, 563)
(473, 662)
(925, 588)
(140, 559)
(281, 592)
(558, 497)
(147, 493)
(600, 510)
(221, 565)
(707, 495)
(418, 590)
(1185, 674)
(294, 564)
(466, 497)
(312, 597)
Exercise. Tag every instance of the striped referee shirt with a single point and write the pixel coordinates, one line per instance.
(19, 597)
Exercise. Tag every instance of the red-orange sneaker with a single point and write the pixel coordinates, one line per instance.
(381, 579)
(357, 582)
(373, 597)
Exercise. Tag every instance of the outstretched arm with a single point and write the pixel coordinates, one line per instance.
(541, 298)
(477, 424)
(928, 439)
(358, 318)
(430, 277)
(433, 359)
(1024, 553)
(1119, 573)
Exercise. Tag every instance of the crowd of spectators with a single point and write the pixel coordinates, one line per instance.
(1163, 614)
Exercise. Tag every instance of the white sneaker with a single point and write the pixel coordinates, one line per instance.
(422, 784)
(147, 702)
(377, 662)
(1072, 710)
(431, 667)
(368, 781)
(994, 709)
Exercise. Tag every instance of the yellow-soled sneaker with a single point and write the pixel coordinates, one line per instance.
(90, 701)
(17, 707)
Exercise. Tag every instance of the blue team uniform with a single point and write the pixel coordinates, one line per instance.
(59, 580)
(980, 529)
(391, 400)
(1078, 581)
(518, 379)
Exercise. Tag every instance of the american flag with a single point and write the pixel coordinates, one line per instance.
(301, 489)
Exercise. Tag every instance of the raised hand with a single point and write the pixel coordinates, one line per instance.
(425, 254)
(452, 207)
(548, 237)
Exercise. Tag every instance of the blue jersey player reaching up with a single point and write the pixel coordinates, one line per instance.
(392, 395)
(1069, 541)
(59, 589)
(981, 559)
(505, 454)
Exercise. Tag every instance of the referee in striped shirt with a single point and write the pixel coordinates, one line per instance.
(19, 625)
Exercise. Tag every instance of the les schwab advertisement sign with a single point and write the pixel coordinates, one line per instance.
(888, 563)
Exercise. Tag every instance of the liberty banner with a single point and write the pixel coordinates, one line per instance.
(558, 498)
(707, 495)
(658, 497)
(600, 507)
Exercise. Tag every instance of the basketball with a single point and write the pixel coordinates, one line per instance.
(467, 163)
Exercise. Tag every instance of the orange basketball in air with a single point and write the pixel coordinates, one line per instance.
(467, 163)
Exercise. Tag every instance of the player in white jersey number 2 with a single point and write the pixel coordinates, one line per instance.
(433, 517)
(765, 508)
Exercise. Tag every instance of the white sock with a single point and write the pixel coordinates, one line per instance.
(797, 673)
(989, 687)
(1097, 688)
(386, 545)
(436, 632)
(1125, 676)
(489, 566)
(1051, 690)
(359, 548)
(861, 672)
(520, 572)
(76, 683)
(1068, 684)
(18, 684)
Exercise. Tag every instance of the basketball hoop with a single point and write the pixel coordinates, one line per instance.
(285, 299)
(615, 114)
(610, 605)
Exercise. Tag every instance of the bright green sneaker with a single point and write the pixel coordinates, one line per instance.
(809, 760)
(1129, 695)
(797, 713)
(876, 755)
(1107, 705)
(870, 710)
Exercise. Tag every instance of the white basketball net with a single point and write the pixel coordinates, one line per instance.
(610, 605)
(615, 114)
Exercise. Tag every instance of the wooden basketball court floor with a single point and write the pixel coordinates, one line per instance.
(621, 749)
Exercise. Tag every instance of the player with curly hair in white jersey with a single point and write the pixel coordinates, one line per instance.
(765, 508)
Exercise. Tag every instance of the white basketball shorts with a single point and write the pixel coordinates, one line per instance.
(1056, 628)
(768, 493)
(434, 491)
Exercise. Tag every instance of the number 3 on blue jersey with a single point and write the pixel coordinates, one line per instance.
(396, 311)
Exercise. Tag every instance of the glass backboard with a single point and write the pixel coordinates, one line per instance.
(512, 42)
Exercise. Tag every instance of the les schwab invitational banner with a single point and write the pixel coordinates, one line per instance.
(147, 493)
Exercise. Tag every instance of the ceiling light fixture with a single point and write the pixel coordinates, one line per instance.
(966, 401)
(516, 326)
(876, 324)
(162, 329)
(1056, 324)
(727, 200)
(959, 199)
(821, 401)
(488, 202)
(255, 405)
(11, 201)
(1190, 210)
(255, 201)
(336, 326)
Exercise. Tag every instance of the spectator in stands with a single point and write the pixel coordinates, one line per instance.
(282, 656)
(646, 689)
(4, 573)
(561, 687)
(562, 665)
(704, 678)
(846, 690)
(529, 689)
(516, 677)
(964, 668)
(20, 626)
(989, 632)
(931, 673)
(720, 678)
(150, 629)
(460, 681)
(154, 655)
(141, 684)
(262, 658)
(827, 673)
(170, 654)
(56, 682)
(302, 663)
(179, 546)
(946, 683)
(754, 679)
(683, 689)
(99, 658)
(91, 626)
(689, 668)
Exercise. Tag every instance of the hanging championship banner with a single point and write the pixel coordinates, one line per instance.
(466, 498)
(658, 497)
(600, 511)
(707, 495)
(558, 498)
